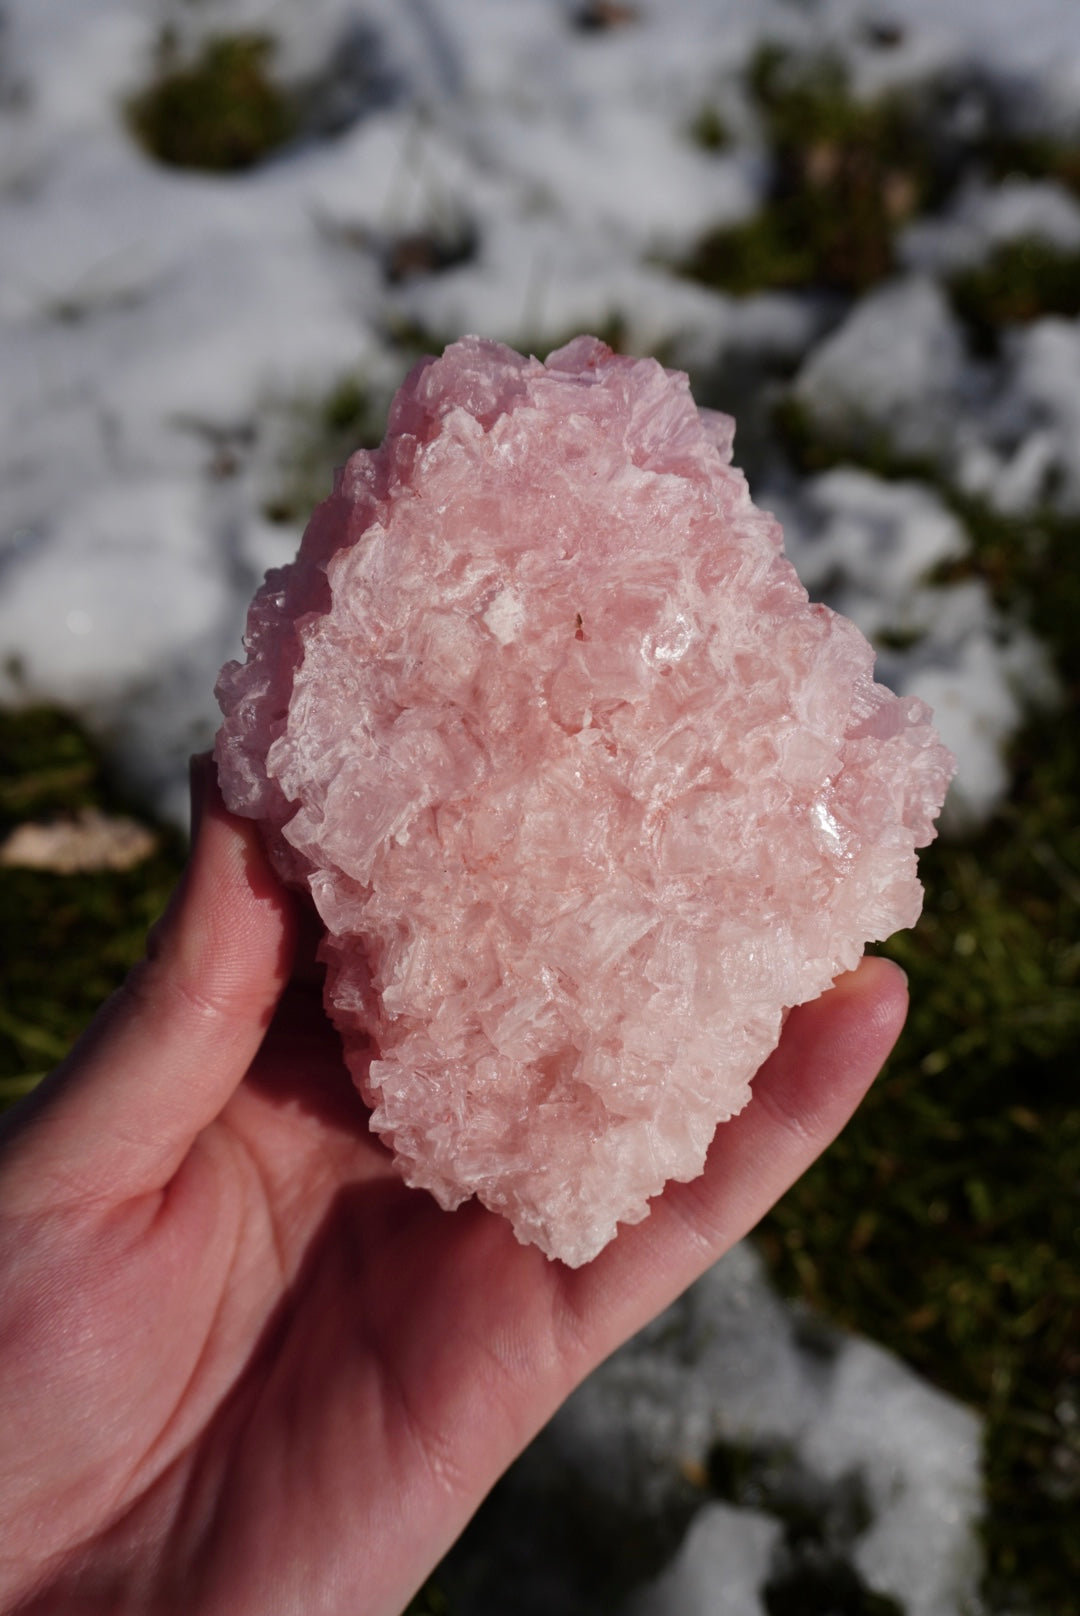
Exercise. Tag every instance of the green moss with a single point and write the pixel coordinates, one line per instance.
(847, 175)
(1030, 564)
(321, 435)
(348, 410)
(613, 329)
(1023, 280)
(709, 130)
(1011, 155)
(828, 1587)
(429, 1601)
(813, 1574)
(220, 111)
(771, 1478)
(66, 941)
(946, 1220)
(898, 638)
(770, 252)
(419, 253)
(813, 447)
(601, 16)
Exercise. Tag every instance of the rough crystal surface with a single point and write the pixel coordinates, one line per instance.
(584, 789)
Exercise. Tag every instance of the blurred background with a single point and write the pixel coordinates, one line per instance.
(227, 230)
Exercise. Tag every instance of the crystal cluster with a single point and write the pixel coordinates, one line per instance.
(585, 791)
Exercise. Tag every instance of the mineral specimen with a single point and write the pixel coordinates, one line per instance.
(585, 791)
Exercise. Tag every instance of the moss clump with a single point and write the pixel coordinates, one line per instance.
(847, 175)
(323, 433)
(825, 1587)
(66, 941)
(601, 16)
(603, 1537)
(762, 255)
(1023, 280)
(429, 1601)
(220, 111)
(709, 130)
(946, 1220)
(812, 447)
(1009, 155)
(813, 1573)
(420, 253)
(613, 329)
(1030, 564)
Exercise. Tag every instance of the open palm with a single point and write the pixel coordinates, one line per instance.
(243, 1368)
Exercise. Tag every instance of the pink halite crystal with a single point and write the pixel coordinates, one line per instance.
(585, 791)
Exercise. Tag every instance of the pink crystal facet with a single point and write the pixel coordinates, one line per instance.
(585, 791)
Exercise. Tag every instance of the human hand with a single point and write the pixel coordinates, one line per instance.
(243, 1368)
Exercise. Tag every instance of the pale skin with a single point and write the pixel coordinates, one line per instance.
(243, 1368)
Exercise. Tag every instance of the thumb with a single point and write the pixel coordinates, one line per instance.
(165, 1053)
